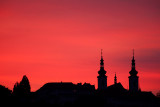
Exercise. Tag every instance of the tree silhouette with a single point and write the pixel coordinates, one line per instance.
(25, 85)
(4, 91)
(5, 95)
(22, 88)
(16, 88)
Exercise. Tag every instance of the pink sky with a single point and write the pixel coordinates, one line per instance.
(60, 40)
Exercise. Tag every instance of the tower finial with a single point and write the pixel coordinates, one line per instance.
(101, 53)
(133, 71)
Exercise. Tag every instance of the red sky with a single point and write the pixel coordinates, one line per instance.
(60, 40)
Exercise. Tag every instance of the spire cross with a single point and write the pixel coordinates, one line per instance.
(133, 52)
(101, 53)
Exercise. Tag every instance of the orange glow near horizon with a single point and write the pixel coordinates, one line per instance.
(53, 41)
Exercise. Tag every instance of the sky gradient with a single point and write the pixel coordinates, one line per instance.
(61, 40)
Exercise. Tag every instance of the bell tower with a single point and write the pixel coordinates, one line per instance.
(133, 78)
(102, 78)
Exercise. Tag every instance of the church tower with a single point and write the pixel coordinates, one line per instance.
(133, 78)
(115, 79)
(102, 78)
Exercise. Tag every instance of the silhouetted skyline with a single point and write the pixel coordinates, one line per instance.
(62, 94)
(60, 40)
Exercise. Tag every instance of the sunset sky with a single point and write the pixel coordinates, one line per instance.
(61, 40)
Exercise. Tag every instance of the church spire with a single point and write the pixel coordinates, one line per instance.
(133, 78)
(133, 70)
(133, 61)
(115, 79)
(102, 78)
(102, 71)
(101, 61)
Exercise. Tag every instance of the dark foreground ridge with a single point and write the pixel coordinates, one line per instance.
(64, 94)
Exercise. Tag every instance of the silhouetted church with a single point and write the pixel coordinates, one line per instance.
(133, 78)
(62, 94)
(102, 78)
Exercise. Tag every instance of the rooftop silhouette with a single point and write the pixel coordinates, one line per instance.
(61, 94)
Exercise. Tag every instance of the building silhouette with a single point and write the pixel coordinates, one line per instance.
(62, 94)
(102, 78)
(22, 88)
(133, 78)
